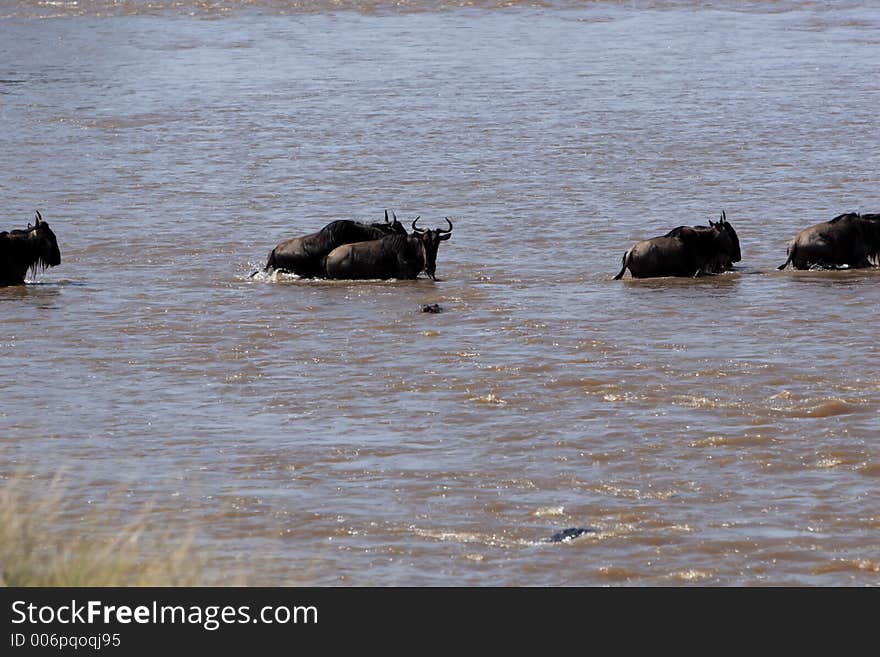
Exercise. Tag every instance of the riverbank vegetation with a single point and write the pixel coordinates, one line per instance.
(47, 540)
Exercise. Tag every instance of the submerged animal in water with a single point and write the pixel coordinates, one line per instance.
(569, 534)
(848, 240)
(304, 256)
(394, 256)
(685, 251)
(31, 249)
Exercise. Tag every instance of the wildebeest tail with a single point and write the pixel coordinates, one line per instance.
(791, 251)
(625, 263)
(270, 265)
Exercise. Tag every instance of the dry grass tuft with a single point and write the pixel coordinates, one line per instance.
(38, 548)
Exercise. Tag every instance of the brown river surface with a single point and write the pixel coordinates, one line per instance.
(717, 431)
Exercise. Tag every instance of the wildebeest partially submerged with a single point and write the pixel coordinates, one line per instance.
(848, 240)
(20, 250)
(304, 256)
(685, 251)
(393, 256)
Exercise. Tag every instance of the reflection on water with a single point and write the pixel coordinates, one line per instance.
(717, 430)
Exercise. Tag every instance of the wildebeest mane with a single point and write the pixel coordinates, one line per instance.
(395, 242)
(15, 247)
(677, 231)
(39, 263)
(343, 232)
(841, 217)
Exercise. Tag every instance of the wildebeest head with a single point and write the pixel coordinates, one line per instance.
(431, 239)
(872, 225)
(390, 227)
(47, 252)
(724, 225)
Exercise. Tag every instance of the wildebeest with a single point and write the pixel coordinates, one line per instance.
(850, 240)
(20, 250)
(304, 256)
(393, 256)
(569, 534)
(685, 251)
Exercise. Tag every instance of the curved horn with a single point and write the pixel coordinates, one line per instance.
(39, 217)
(387, 220)
(723, 217)
(394, 216)
(440, 230)
(414, 229)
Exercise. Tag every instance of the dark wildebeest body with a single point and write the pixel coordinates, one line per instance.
(685, 251)
(568, 535)
(20, 250)
(394, 256)
(724, 244)
(660, 256)
(848, 240)
(304, 256)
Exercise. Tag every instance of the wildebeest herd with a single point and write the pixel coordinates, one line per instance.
(353, 250)
(346, 249)
(849, 241)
